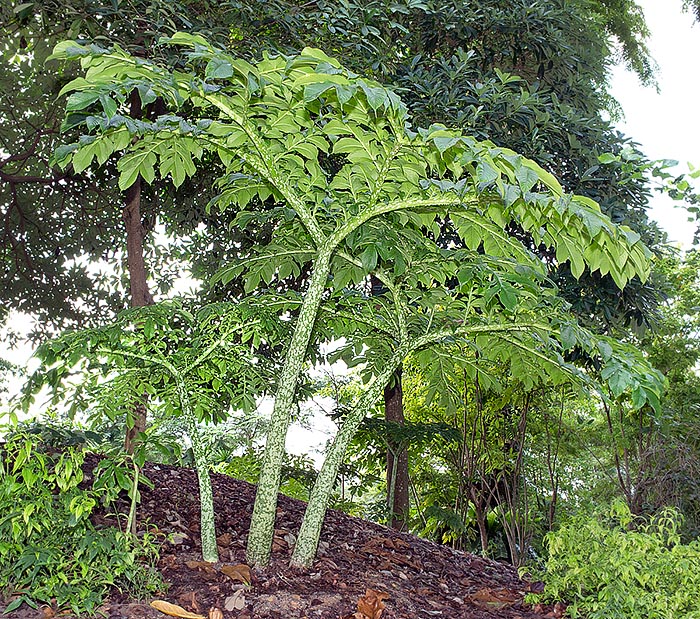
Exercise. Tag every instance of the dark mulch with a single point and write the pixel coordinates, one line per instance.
(421, 579)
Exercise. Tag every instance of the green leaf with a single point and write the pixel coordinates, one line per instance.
(61, 156)
(314, 91)
(608, 158)
(68, 49)
(527, 177)
(80, 100)
(218, 68)
(185, 38)
(376, 96)
(149, 328)
(134, 163)
(317, 54)
(83, 157)
(443, 143)
(109, 105)
(19, 9)
(567, 335)
(508, 297)
(486, 173)
(369, 258)
(345, 93)
(15, 604)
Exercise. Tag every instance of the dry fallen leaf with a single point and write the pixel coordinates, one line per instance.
(215, 613)
(240, 572)
(235, 601)
(224, 540)
(174, 610)
(370, 605)
(191, 600)
(495, 598)
(201, 565)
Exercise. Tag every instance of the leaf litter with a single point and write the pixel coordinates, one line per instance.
(363, 570)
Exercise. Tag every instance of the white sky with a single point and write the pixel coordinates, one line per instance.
(666, 124)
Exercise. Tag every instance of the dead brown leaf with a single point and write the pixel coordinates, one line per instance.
(224, 540)
(388, 548)
(235, 601)
(240, 572)
(495, 598)
(279, 541)
(200, 565)
(174, 610)
(535, 587)
(215, 613)
(371, 605)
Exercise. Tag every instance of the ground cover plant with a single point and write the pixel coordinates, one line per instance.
(612, 565)
(50, 551)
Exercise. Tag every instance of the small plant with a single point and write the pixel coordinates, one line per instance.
(612, 566)
(50, 551)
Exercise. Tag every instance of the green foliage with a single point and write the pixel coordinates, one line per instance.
(50, 551)
(528, 76)
(371, 137)
(298, 473)
(331, 158)
(694, 6)
(612, 566)
(193, 366)
(218, 353)
(631, 167)
(672, 460)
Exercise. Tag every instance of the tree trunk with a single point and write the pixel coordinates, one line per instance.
(138, 282)
(397, 498)
(396, 458)
(483, 531)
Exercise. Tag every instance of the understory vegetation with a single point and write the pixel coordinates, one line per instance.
(609, 566)
(51, 552)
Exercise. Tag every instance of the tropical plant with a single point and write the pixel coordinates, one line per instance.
(612, 566)
(529, 76)
(195, 367)
(353, 190)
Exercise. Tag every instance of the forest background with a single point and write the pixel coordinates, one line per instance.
(487, 454)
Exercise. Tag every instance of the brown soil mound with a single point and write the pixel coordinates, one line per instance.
(363, 570)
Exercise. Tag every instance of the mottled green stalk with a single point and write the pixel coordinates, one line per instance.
(207, 529)
(206, 499)
(310, 532)
(262, 525)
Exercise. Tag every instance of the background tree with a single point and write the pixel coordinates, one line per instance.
(444, 68)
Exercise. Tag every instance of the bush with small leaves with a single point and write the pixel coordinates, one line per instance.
(50, 551)
(613, 566)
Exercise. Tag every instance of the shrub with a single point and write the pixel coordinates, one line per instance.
(614, 566)
(50, 551)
